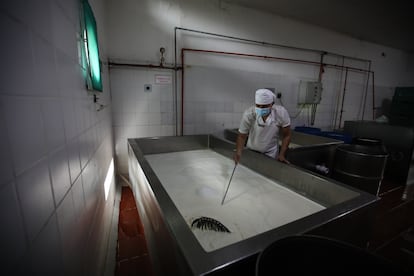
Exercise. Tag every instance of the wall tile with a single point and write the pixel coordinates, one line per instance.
(69, 122)
(154, 130)
(83, 149)
(12, 238)
(167, 119)
(59, 172)
(139, 106)
(35, 194)
(39, 17)
(67, 73)
(141, 119)
(66, 217)
(26, 130)
(78, 197)
(70, 240)
(6, 168)
(71, 10)
(16, 56)
(14, 8)
(64, 33)
(83, 108)
(166, 92)
(167, 130)
(167, 106)
(89, 181)
(45, 75)
(53, 121)
(154, 106)
(141, 131)
(74, 159)
(154, 118)
(45, 256)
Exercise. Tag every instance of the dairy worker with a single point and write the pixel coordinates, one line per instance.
(262, 125)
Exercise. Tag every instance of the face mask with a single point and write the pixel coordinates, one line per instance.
(262, 111)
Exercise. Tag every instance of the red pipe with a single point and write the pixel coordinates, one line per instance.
(343, 98)
(373, 97)
(276, 58)
(182, 92)
(321, 70)
(110, 64)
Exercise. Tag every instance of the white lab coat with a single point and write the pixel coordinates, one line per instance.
(264, 135)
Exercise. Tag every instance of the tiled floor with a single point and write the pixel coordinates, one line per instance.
(132, 255)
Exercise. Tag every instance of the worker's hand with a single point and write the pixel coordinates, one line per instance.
(282, 158)
(236, 157)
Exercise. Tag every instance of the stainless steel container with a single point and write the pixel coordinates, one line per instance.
(360, 166)
(174, 248)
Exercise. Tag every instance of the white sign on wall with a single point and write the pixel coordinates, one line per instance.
(163, 79)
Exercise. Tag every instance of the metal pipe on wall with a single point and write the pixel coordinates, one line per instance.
(343, 98)
(338, 101)
(268, 44)
(366, 92)
(175, 80)
(373, 97)
(315, 106)
(264, 44)
(183, 50)
(280, 59)
(182, 92)
(152, 66)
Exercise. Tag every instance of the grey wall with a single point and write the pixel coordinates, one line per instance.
(55, 147)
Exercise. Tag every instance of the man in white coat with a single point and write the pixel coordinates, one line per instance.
(262, 125)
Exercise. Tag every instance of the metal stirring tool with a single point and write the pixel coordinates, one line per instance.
(228, 185)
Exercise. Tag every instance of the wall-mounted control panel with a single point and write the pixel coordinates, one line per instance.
(310, 92)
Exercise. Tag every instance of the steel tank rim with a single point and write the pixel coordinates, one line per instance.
(379, 155)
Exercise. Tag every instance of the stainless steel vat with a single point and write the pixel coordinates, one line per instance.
(173, 247)
(361, 166)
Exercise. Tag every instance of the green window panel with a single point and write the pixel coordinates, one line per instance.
(90, 49)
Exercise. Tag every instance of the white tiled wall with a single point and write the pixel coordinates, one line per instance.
(55, 147)
(138, 113)
(218, 88)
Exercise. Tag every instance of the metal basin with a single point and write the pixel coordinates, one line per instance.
(173, 245)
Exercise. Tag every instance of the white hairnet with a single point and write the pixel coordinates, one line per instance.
(264, 96)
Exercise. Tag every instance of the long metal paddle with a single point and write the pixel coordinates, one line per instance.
(228, 185)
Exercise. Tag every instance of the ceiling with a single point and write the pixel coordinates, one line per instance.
(387, 23)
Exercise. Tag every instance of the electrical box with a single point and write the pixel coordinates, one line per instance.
(310, 92)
